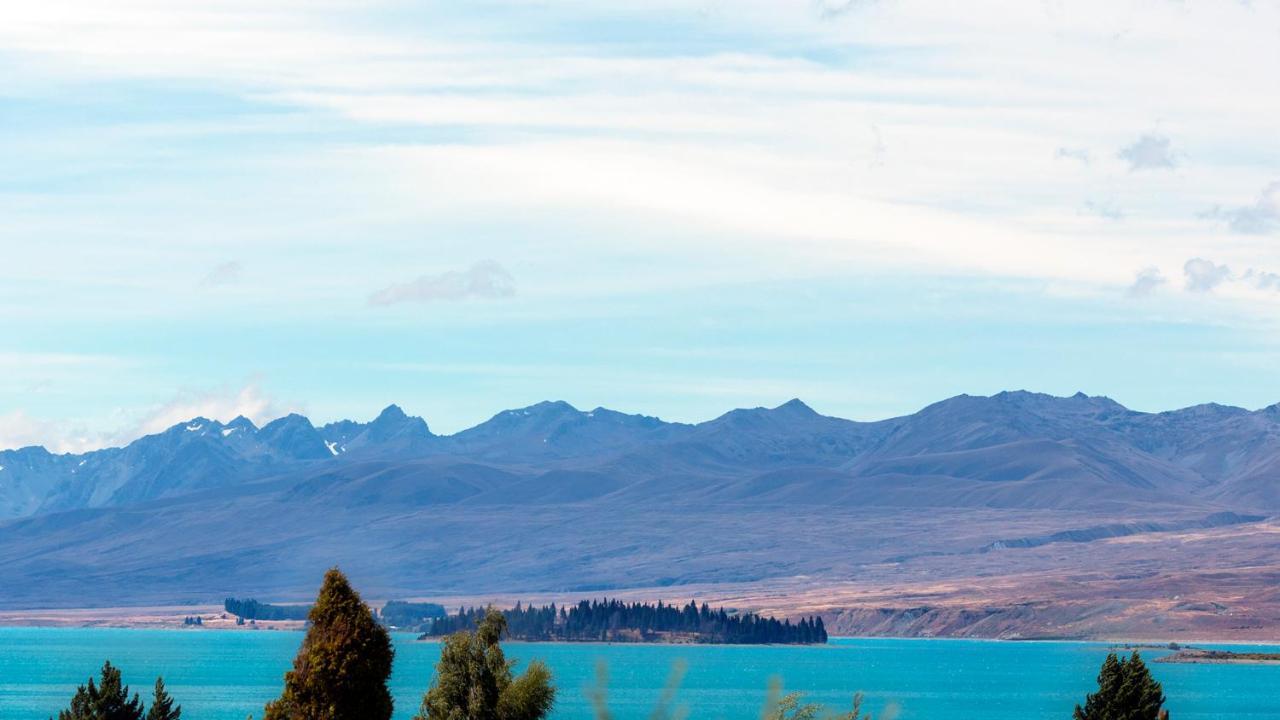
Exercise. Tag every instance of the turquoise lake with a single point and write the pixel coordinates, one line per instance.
(225, 675)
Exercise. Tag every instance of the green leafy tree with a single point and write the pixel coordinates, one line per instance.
(474, 680)
(108, 700)
(162, 707)
(341, 670)
(1126, 691)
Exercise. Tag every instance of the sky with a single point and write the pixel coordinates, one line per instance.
(671, 208)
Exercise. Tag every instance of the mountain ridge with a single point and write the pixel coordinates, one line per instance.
(1212, 451)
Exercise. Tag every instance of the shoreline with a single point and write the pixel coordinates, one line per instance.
(778, 603)
(30, 620)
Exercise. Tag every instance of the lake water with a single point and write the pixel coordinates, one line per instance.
(225, 675)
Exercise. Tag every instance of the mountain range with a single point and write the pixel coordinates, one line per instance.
(1015, 449)
(550, 498)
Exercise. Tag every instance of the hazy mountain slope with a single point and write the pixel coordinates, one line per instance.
(557, 430)
(756, 439)
(27, 476)
(429, 526)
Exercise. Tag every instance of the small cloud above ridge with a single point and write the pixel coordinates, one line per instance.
(485, 279)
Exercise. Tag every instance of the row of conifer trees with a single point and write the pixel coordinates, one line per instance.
(613, 620)
(342, 669)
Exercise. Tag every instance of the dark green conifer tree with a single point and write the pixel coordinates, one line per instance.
(162, 707)
(474, 680)
(1126, 691)
(341, 670)
(108, 700)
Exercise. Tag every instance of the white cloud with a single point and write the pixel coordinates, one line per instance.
(1080, 155)
(1105, 209)
(1259, 218)
(226, 273)
(222, 405)
(828, 9)
(1261, 279)
(1149, 152)
(19, 429)
(1204, 275)
(485, 279)
(1146, 281)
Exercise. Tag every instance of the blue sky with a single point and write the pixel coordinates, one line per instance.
(672, 208)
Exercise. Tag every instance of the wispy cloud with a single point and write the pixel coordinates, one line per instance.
(829, 9)
(1260, 217)
(226, 273)
(1104, 209)
(1149, 152)
(1145, 282)
(1079, 154)
(19, 428)
(485, 279)
(1261, 279)
(223, 405)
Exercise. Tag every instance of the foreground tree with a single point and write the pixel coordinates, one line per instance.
(793, 706)
(1126, 691)
(162, 707)
(108, 700)
(474, 680)
(341, 670)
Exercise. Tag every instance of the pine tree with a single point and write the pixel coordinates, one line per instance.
(341, 670)
(162, 707)
(1126, 691)
(474, 680)
(106, 701)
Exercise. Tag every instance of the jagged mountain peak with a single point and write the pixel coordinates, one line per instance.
(1209, 410)
(391, 413)
(544, 408)
(796, 406)
(794, 410)
(393, 420)
(242, 423)
(198, 424)
(292, 418)
(1032, 402)
(294, 436)
(393, 432)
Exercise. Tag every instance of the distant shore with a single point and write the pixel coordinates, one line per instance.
(157, 617)
(213, 617)
(1194, 656)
